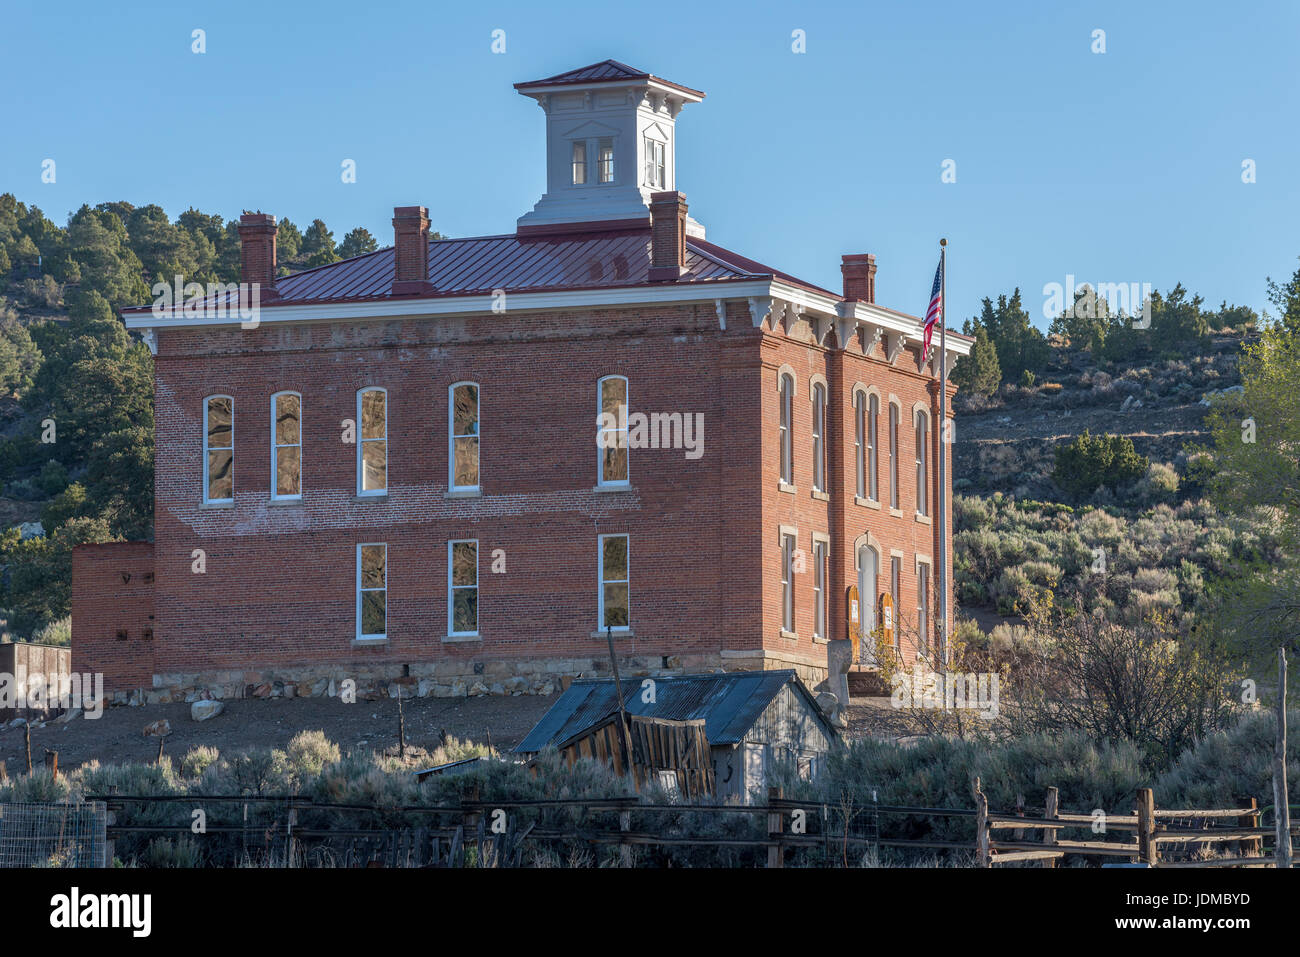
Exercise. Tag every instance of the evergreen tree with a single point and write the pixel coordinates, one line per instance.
(318, 245)
(979, 372)
(357, 243)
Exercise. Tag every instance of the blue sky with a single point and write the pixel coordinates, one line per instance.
(1124, 166)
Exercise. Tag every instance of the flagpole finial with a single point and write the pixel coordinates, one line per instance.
(943, 242)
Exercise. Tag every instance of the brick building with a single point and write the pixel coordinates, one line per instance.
(397, 468)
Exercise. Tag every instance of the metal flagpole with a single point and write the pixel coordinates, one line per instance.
(943, 451)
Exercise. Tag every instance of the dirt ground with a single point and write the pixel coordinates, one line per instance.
(117, 736)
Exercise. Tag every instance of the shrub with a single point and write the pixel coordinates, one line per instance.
(1091, 462)
(58, 632)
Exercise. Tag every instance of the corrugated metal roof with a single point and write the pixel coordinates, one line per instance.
(729, 703)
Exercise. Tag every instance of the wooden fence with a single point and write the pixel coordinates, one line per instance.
(478, 833)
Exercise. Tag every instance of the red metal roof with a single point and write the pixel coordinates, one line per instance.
(481, 265)
(606, 71)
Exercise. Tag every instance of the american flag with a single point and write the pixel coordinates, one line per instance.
(936, 301)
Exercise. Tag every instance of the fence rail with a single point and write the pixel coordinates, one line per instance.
(495, 833)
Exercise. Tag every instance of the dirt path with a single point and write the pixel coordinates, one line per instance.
(118, 736)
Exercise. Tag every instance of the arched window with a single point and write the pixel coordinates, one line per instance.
(372, 442)
(819, 437)
(893, 455)
(463, 437)
(286, 445)
(611, 436)
(860, 443)
(873, 445)
(922, 462)
(868, 585)
(787, 439)
(218, 449)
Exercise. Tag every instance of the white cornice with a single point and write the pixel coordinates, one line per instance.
(763, 296)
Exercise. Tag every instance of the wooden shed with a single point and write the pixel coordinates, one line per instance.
(745, 722)
(21, 660)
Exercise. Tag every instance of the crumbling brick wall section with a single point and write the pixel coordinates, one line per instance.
(113, 613)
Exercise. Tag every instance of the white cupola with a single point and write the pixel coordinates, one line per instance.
(610, 138)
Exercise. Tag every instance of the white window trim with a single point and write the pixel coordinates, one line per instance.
(894, 424)
(860, 443)
(601, 582)
(374, 492)
(785, 426)
(600, 456)
(821, 617)
(452, 436)
(922, 435)
(452, 589)
(613, 161)
(922, 598)
(359, 592)
(207, 477)
(276, 447)
(656, 174)
(818, 391)
(873, 448)
(787, 578)
(573, 162)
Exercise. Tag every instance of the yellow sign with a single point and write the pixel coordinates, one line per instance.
(887, 619)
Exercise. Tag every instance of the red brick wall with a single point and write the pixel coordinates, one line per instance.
(112, 592)
(279, 580)
(278, 589)
(842, 518)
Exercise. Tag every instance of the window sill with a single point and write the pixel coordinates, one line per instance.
(819, 640)
(783, 487)
(616, 632)
(370, 498)
(790, 635)
(470, 637)
(216, 505)
(612, 488)
(821, 496)
(924, 519)
(368, 642)
(896, 512)
(463, 493)
(278, 502)
(866, 502)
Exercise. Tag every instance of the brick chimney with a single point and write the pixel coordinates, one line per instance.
(859, 276)
(257, 233)
(411, 251)
(667, 236)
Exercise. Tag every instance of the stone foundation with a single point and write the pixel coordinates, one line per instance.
(448, 679)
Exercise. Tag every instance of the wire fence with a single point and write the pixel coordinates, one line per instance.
(53, 835)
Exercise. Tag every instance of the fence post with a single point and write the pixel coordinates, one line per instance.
(775, 852)
(27, 735)
(625, 849)
(1146, 812)
(1050, 813)
(983, 853)
(1253, 846)
(4, 773)
(1281, 809)
(52, 762)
